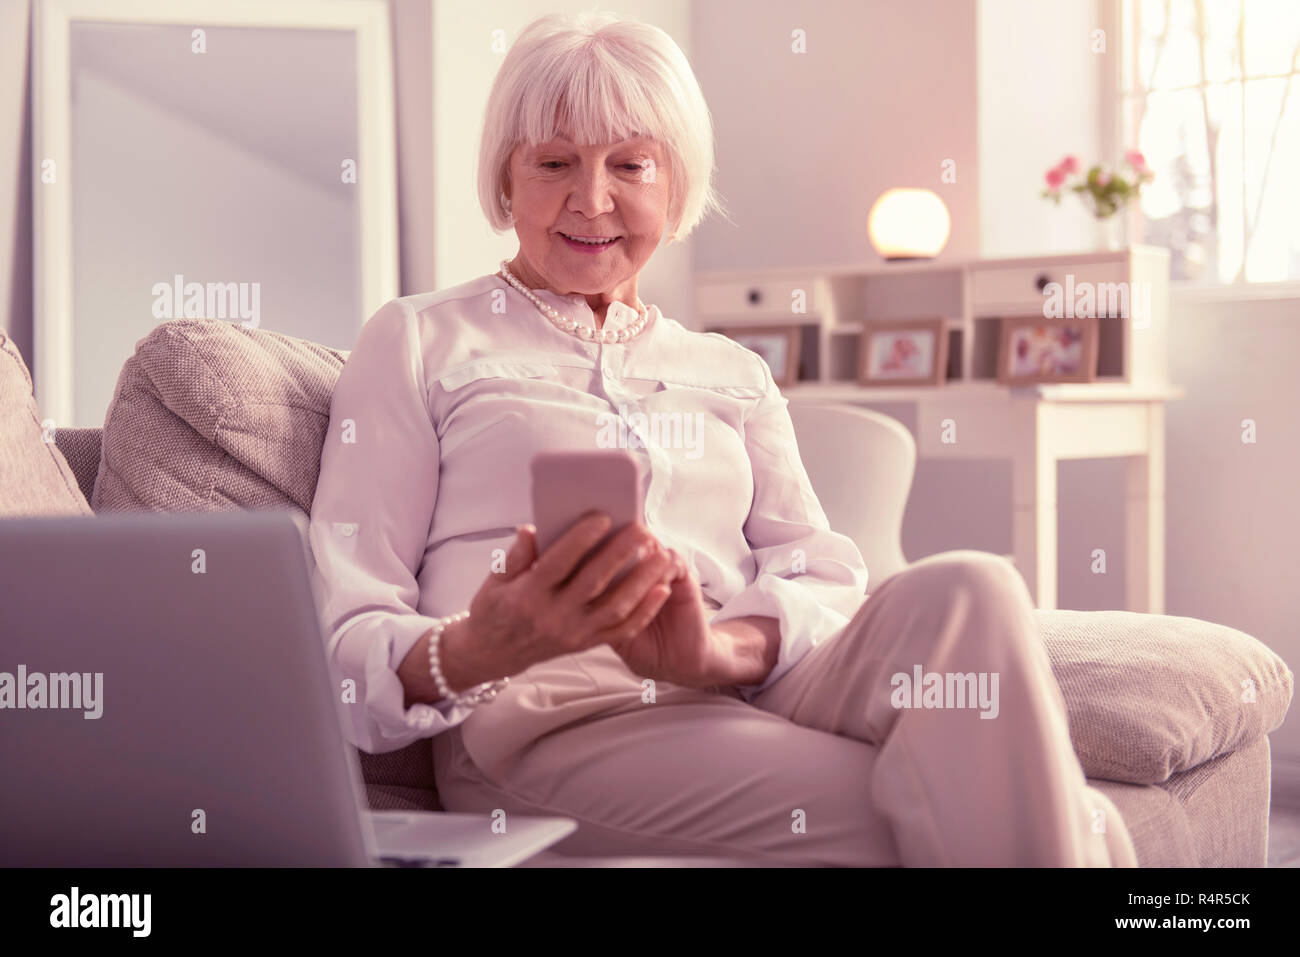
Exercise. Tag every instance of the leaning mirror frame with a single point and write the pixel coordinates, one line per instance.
(54, 322)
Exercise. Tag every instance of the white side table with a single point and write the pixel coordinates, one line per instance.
(1035, 428)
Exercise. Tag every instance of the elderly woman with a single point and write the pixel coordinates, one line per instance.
(738, 693)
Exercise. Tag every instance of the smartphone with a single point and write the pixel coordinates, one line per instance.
(569, 483)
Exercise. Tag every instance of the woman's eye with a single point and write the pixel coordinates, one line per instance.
(556, 164)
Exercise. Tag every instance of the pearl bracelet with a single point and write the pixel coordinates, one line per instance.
(471, 696)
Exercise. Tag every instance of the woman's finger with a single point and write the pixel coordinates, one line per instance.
(679, 565)
(622, 634)
(522, 553)
(676, 566)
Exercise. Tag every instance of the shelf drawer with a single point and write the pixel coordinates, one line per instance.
(760, 297)
(1021, 287)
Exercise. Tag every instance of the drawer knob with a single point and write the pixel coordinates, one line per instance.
(755, 296)
(1041, 281)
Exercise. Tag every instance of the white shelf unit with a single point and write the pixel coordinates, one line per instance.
(1130, 294)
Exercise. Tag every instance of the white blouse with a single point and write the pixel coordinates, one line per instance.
(425, 472)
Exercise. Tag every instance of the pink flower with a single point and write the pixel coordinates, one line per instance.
(1135, 159)
(1102, 177)
(1055, 177)
(1069, 165)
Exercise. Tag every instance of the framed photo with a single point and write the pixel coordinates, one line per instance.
(910, 352)
(1035, 349)
(778, 345)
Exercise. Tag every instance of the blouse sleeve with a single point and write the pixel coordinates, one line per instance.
(369, 528)
(809, 578)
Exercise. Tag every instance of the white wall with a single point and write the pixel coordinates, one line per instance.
(1233, 518)
(807, 141)
(1038, 83)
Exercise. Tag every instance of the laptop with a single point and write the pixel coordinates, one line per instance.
(165, 700)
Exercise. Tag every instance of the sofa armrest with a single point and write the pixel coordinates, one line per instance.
(1150, 696)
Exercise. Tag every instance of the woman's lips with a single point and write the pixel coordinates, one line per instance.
(589, 247)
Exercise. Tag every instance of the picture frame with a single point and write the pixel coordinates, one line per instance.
(903, 352)
(779, 345)
(1033, 349)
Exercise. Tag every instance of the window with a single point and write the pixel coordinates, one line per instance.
(1210, 93)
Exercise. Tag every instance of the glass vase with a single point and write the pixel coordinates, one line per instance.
(1112, 231)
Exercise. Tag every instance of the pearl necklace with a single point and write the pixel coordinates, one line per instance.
(578, 329)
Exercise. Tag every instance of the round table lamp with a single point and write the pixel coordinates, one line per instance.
(909, 224)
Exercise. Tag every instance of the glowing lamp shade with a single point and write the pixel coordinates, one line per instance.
(909, 224)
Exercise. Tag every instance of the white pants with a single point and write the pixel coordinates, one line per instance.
(824, 767)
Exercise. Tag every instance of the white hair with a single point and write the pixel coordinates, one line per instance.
(600, 79)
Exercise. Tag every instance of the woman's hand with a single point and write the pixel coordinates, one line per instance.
(541, 607)
(677, 645)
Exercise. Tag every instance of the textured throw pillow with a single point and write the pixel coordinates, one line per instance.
(35, 478)
(210, 415)
(1151, 695)
(81, 448)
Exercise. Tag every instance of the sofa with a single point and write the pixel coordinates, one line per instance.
(1169, 715)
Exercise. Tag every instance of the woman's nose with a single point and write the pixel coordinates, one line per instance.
(591, 193)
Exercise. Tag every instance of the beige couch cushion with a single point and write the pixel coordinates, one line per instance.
(210, 415)
(80, 447)
(34, 476)
(1152, 695)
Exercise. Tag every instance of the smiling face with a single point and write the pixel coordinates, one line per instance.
(617, 192)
